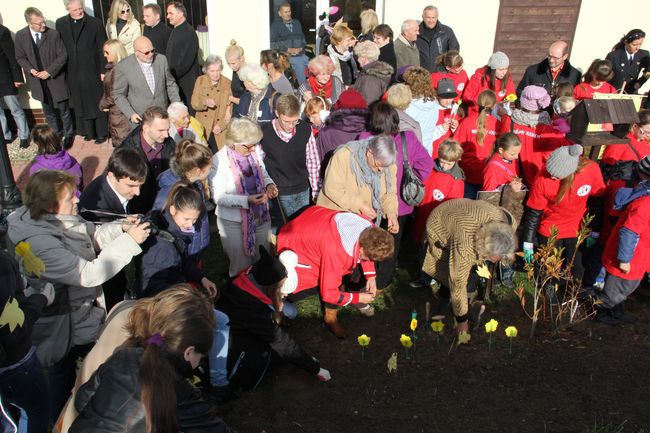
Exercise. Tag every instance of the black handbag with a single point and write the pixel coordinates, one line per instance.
(412, 188)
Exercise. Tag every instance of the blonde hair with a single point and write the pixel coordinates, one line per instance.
(234, 50)
(399, 96)
(44, 190)
(114, 12)
(242, 131)
(369, 21)
(341, 33)
(116, 48)
(367, 49)
(450, 150)
(487, 99)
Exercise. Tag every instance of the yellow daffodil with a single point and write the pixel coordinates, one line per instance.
(511, 331)
(414, 324)
(437, 326)
(363, 340)
(464, 337)
(406, 341)
(31, 263)
(491, 326)
(511, 97)
(483, 271)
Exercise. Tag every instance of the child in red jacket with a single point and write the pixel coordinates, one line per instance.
(627, 254)
(595, 80)
(451, 66)
(448, 118)
(502, 167)
(494, 76)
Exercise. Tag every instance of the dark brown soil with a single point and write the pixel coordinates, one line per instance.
(590, 376)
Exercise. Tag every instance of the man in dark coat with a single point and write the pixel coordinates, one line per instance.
(434, 39)
(555, 68)
(11, 77)
(42, 55)
(151, 140)
(156, 30)
(84, 37)
(183, 52)
(112, 192)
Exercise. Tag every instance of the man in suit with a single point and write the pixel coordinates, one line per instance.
(11, 78)
(151, 140)
(143, 80)
(112, 192)
(84, 37)
(183, 52)
(156, 30)
(42, 55)
(555, 68)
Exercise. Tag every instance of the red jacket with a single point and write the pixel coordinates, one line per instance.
(585, 91)
(327, 245)
(480, 82)
(499, 172)
(443, 114)
(567, 214)
(474, 156)
(636, 218)
(438, 187)
(460, 81)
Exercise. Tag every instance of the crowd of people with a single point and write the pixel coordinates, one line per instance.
(315, 167)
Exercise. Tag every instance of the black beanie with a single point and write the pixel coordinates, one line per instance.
(268, 270)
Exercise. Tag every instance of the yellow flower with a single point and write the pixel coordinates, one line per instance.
(511, 331)
(363, 340)
(491, 326)
(511, 97)
(464, 337)
(437, 326)
(406, 341)
(483, 271)
(414, 324)
(31, 264)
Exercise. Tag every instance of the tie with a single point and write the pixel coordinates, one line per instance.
(38, 39)
(631, 58)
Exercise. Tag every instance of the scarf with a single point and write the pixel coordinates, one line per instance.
(365, 175)
(255, 105)
(318, 89)
(250, 216)
(333, 52)
(530, 119)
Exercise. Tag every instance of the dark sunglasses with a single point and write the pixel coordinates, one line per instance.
(126, 11)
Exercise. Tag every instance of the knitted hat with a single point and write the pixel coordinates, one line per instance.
(351, 99)
(563, 162)
(446, 89)
(400, 72)
(644, 166)
(268, 270)
(498, 60)
(534, 98)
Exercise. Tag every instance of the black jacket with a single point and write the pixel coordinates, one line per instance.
(10, 71)
(99, 195)
(253, 332)
(144, 202)
(183, 56)
(387, 54)
(16, 342)
(110, 401)
(442, 39)
(158, 35)
(628, 72)
(539, 74)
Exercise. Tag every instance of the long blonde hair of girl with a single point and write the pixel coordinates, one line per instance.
(567, 182)
(486, 102)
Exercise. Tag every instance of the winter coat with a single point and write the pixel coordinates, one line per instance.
(158, 35)
(110, 401)
(78, 257)
(387, 55)
(9, 69)
(265, 111)
(53, 56)
(254, 333)
(373, 80)
(99, 195)
(419, 161)
(118, 124)
(211, 117)
(128, 34)
(346, 70)
(451, 244)
(540, 75)
(86, 63)
(341, 191)
(432, 43)
(337, 89)
(405, 53)
(60, 161)
(479, 82)
(183, 57)
(460, 80)
(342, 126)
(475, 155)
(627, 72)
(426, 114)
(166, 180)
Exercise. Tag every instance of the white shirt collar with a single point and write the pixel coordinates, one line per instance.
(34, 33)
(123, 201)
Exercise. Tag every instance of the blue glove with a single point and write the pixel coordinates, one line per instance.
(528, 252)
(592, 239)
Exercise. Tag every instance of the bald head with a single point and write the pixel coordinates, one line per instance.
(557, 54)
(144, 51)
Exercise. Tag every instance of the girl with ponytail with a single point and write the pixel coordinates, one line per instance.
(477, 134)
(143, 386)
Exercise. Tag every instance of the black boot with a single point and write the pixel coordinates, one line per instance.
(618, 312)
(605, 316)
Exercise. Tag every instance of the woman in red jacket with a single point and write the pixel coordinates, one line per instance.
(476, 134)
(558, 198)
(595, 80)
(494, 76)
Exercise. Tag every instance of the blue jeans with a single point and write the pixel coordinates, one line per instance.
(19, 117)
(218, 359)
(299, 65)
(25, 387)
(291, 204)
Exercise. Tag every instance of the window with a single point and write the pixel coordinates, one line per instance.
(196, 10)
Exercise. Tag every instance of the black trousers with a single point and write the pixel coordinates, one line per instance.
(386, 269)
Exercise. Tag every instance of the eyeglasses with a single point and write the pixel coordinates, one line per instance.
(643, 132)
(125, 11)
(246, 146)
(548, 56)
(289, 122)
(146, 53)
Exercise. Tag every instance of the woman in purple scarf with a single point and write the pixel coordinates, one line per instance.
(51, 155)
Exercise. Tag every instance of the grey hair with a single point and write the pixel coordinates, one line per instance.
(496, 239)
(407, 24)
(255, 74)
(212, 59)
(66, 3)
(242, 131)
(383, 149)
(367, 49)
(175, 109)
(429, 8)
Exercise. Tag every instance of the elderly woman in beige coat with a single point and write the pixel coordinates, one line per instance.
(211, 100)
(462, 234)
(361, 177)
(122, 25)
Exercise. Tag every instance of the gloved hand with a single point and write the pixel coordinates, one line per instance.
(323, 375)
(47, 291)
(528, 252)
(592, 239)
